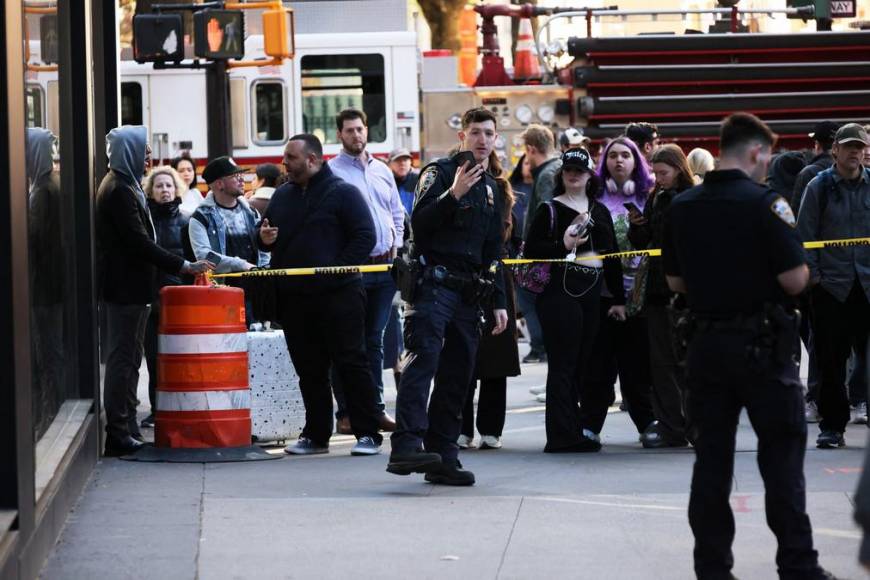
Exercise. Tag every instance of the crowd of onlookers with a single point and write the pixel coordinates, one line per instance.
(595, 323)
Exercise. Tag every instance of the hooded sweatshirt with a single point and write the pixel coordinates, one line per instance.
(127, 249)
(45, 234)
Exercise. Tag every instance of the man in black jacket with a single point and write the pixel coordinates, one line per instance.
(319, 220)
(823, 140)
(128, 257)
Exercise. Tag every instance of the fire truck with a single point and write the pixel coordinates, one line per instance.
(363, 55)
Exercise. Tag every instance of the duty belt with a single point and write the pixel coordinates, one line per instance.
(444, 277)
(734, 323)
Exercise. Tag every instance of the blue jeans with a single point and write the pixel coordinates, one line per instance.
(379, 289)
(441, 338)
(527, 301)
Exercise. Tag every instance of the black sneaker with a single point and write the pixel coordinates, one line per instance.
(414, 462)
(450, 473)
(830, 440)
(148, 422)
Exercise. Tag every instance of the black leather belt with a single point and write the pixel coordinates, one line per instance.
(382, 259)
(734, 323)
(444, 277)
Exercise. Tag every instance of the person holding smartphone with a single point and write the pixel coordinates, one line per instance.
(457, 241)
(576, 224)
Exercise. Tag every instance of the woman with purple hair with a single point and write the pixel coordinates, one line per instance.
(621, 347)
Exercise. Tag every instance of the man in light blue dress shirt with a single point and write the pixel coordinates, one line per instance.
(375, 180)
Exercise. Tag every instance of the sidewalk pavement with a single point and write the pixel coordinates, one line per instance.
(620, 513)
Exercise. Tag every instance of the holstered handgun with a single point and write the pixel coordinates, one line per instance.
(784, 326)
(407, 273)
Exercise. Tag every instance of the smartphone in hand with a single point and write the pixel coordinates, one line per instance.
(213, 258)
(465, 157)
(632, 208)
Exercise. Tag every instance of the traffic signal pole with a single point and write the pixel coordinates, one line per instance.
(219, 35)
(217, 102)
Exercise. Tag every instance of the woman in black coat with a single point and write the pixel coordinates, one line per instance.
(673, 176)
(497, 356)
(164, 190)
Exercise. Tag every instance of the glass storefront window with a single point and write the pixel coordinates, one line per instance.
(333, 82)
(51, 256)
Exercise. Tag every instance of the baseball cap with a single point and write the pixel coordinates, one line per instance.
(577, 157)
(572, 137)
(220, 167)
(851, 132)
(824, 131)
(399, 153)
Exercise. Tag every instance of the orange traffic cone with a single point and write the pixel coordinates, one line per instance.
(526, 65)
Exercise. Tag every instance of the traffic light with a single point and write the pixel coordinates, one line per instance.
(219, 34)
(158, 37)
(278, 26)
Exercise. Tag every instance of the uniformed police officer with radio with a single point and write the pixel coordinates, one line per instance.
(452, 274)
(732, 248)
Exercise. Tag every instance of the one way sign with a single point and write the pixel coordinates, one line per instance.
(842, 8)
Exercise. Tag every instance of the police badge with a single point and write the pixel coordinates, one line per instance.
(782, 210)
(426, 181)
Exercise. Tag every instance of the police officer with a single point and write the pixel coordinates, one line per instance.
(456, 236)
(732, 248)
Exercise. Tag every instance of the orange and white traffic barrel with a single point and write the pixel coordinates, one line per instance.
(203, 399)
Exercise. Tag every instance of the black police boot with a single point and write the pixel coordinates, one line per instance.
(450, 473)
(415, 462)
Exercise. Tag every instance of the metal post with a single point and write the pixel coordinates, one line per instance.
(219, 124)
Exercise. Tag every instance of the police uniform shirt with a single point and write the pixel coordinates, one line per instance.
(728, 239)
(462, 235)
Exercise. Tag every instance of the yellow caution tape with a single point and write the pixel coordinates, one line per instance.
(368, 268)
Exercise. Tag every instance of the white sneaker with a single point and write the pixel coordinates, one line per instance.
(538, 390)
(812, 412)
(465, 442)
(859, 414)
(542, 398)
(490, 442)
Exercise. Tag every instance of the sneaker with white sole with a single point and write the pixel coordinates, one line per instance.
(542, 398)
(859, 414)
(366, 445)
(490, 442)
(812, 412)
(465, 442)
(306, 446)
(538, 390)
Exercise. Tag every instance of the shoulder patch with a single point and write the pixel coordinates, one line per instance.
(427, 178)
(781, 209)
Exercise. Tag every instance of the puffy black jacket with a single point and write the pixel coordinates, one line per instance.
(170, 224)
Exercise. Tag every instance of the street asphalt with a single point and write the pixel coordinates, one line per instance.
(620, 513)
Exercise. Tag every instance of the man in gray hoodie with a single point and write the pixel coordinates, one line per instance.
(128, 256)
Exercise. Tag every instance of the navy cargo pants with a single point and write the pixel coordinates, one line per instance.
(441, 337)
(722, 379)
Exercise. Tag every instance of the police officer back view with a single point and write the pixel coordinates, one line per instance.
(740, 352)
(457, 235)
